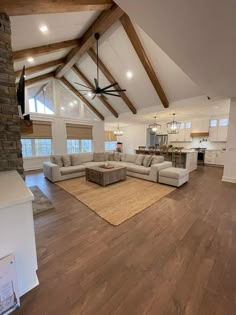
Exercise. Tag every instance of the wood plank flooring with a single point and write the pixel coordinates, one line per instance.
(176, 257)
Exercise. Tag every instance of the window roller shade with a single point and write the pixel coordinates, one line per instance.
(110, 136)
(41, 130)
(81, 132)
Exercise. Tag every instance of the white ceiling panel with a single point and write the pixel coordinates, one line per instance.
(61, 27)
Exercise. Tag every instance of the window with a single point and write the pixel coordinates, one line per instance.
(110, 145)
(223, 122)
(79, 145)
(182, 125)
(213, 123)
(36, 147)
(188, 125)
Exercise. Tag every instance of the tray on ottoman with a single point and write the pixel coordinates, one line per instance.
(105, 176)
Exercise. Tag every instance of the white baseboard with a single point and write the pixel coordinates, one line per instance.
(229, 179)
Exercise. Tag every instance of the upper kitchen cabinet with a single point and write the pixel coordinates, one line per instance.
(218, 130)
(184, 133)
(200, 125)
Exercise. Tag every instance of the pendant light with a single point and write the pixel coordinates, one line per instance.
(173, 126)
(155, 127)
(118, 132)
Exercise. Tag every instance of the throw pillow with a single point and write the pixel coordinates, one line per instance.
(139, 159)
(56, 159)
(75, 159)
(147, 160)
(66, 160)
(110, 156)
(157, 159)
(99, 157)
(117, 156)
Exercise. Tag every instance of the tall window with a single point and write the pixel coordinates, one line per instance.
(213, 123)
(223, 122)
(41, 99)
(110, 140)
(39, 143)
(79, 138)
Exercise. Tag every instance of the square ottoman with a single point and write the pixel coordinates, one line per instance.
(173, 176)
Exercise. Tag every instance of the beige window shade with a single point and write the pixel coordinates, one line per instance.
(110, 136)
(79, 131)
(41, 130)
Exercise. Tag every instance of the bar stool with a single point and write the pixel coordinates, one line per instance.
(177, 157)
(164, 151)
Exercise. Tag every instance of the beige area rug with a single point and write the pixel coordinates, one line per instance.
(41, 202)
(118, 202)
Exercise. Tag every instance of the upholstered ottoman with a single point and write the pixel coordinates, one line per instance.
(173, 176)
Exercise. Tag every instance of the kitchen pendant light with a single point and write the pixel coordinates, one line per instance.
(118, 132)
(173, 126)
(155, 127)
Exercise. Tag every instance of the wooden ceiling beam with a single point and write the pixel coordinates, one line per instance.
(133, 36)
(104, 21)
(89, 84)
(45, 49)
(39, 78)
(41, 67)
(28, 7)
(83, 99)
(111, 79)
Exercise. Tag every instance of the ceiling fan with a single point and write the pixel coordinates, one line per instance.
(98, 91)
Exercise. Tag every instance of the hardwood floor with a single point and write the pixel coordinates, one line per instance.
(176, 257)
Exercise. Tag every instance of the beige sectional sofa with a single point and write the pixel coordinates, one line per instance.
(72, 166)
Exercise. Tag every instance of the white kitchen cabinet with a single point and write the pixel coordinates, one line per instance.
(191, 161)
(213, 134)
(183, 135)
(214, 157)
(187, 135)
(218, 130)
(222, 133)
(200, 125)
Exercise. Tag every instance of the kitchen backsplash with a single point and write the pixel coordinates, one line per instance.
(204, 144)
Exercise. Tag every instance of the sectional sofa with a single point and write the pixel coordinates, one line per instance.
(64, 167)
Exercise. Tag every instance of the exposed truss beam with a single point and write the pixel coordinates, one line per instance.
(133, 36)
(41, 67)
(45, 49)
(111, 79)
(29, 7)
(104, 21)
(89, 84)
(83, 99)
(39, 78)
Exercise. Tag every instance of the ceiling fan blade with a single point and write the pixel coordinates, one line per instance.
(96, 83)
(121, 90)
(84, 90)
(83, 85)
(94, 96)
(111, 85)
(111, 94)
(103, 96)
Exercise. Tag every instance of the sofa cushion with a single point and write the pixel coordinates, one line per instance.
(139, 159)
(75, 159)
(110, 156)
(99, 157)
(173, 172)
(122, 157)
(147, 160)
(72, 169)
(116, 156)
(88, 164)
(66, 160)
(86, 157)
(56, 159)
(138, 169)
(131, 158)
(157, 159)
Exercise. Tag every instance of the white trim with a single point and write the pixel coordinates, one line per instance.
(229, 179)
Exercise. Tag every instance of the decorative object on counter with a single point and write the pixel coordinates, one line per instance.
(118, 132)
(155, 127)
(142, 149)
(173, 126)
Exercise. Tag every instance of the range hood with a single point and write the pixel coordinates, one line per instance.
(199, 134)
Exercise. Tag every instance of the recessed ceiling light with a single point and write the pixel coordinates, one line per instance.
(75, 102)
(90, 94)
(62, 108)
(129, 74)
(43, 28)
(30, 59)
(71, 104)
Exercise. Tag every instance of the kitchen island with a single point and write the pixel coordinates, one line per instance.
(189, 157)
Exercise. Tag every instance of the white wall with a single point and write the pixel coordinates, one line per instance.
(230, 155)
(134, 136)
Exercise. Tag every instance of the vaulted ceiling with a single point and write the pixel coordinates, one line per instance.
(65, 52)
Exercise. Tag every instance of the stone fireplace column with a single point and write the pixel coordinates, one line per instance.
(10, 144)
